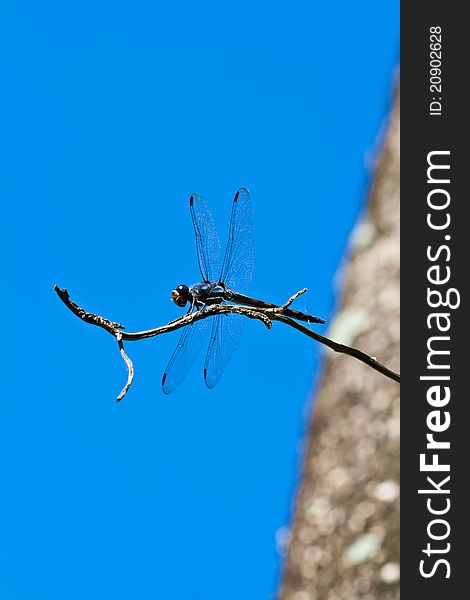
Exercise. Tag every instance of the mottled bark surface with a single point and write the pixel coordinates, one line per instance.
(344, 542)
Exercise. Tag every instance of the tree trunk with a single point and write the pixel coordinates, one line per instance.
(344, 542)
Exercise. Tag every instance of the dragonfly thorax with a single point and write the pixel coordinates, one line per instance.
(206, 292)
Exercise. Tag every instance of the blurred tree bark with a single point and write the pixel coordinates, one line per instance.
(344, 543)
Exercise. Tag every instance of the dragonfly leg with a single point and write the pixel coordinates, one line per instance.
(191, 306)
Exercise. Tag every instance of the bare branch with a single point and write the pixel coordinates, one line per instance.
(130, 368)
(209, 311)
(337, 347)
(292, 298)
(110, 326)
(266, 315)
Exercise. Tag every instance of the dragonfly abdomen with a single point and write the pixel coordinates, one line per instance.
(248, 301)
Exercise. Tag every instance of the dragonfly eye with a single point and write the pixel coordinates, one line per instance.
(180, 295)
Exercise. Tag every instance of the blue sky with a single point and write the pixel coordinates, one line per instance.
(112, 115)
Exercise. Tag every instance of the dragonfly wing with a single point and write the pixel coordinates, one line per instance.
(207, 240)
(185, 354)
(239, 260)
(226, 332)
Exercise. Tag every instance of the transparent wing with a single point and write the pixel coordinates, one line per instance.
(186, 352)
(207, 240)
(239, 261)
(226, 332)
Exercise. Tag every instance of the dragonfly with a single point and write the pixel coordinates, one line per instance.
(221, 283)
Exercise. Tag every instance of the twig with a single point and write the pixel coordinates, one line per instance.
(130, 368)
(266, 315)
(337, 347)
(110, 326)
(292, 298)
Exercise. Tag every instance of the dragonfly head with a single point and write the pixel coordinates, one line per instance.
(180, 295)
